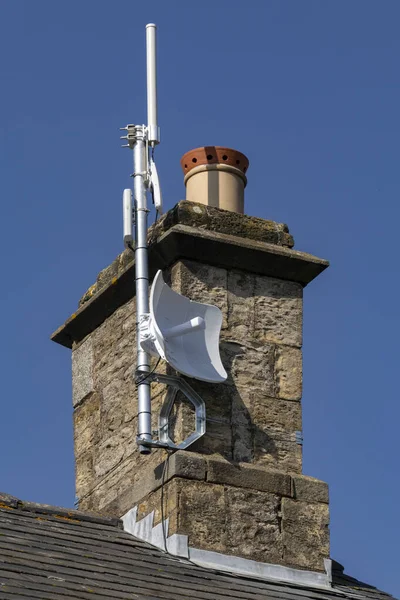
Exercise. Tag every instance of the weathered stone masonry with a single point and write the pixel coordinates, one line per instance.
(239, 489)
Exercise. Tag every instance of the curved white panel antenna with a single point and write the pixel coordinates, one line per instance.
(184, 333)
(155, 186)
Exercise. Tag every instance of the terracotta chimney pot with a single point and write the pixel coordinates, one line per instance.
(216, 176)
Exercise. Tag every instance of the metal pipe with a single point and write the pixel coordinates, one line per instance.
(143, 137)
(152, 121)
(142, 285)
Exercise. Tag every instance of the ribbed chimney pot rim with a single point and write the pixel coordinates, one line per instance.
(214, 155)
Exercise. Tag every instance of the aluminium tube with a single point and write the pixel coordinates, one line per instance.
(142, 288)
(152, 122)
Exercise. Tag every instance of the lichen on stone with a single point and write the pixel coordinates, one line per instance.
(199, 216)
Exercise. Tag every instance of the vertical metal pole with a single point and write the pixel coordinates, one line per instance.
(144, 135)
(142, 284)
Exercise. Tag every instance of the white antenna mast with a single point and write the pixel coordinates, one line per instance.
(200, 356)
(153, 131)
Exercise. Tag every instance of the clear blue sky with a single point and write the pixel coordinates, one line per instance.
(309, 90)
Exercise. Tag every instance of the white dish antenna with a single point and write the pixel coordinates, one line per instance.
(184, 333)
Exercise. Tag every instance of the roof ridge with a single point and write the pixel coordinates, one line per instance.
(9, 502)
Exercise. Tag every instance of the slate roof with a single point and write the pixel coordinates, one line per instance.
(52, 553)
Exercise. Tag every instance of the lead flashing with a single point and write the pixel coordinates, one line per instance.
(252, 568)
(178, 545)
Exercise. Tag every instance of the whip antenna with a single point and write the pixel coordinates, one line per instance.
(151, 61)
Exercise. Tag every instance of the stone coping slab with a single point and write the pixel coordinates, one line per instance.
(215, 219)
(203, 217)
(180, 242)
(190, 465)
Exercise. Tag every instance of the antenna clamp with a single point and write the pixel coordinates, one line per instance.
(133, 134)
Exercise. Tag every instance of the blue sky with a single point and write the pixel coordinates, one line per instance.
(309, 90)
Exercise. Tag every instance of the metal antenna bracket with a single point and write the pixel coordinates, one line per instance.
(176, 384)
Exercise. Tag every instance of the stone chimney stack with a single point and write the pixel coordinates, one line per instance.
(239, 490)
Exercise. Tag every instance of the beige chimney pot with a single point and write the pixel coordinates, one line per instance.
(215, 176)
